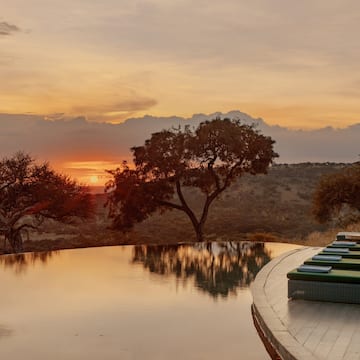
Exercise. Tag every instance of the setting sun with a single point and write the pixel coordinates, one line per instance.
(91, 173)
(94, 179)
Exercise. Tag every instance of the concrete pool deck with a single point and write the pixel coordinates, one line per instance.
(299, 329)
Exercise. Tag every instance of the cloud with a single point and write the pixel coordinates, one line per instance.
(270, 34)
(115, 111)
(8, 29)
(61, 141)
(187, 55)
(126, 105)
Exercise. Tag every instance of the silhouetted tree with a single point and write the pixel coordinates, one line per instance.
(336, 191)
(217, 269)
(209, 158)
(30, 193)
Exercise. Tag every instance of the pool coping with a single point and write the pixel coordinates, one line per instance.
(277, 334)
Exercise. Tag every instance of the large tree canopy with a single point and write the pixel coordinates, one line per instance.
(336, 191)
(209, 158)
(31, 192)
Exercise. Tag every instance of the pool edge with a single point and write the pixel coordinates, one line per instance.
(275, 333)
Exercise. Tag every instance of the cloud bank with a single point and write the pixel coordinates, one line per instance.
(63, 141)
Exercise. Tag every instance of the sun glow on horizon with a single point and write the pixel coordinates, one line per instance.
(91, 173)
(94, 179)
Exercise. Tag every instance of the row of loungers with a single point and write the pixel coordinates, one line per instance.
(332, 275)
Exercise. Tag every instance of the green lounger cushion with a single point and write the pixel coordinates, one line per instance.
(336, 250)
(352, 246)
(346, 264)
(314, 268)
(346, 244)
(327, 257)
(344, 254)
(335, 275)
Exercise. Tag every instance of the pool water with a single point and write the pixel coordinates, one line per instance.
(133, 302)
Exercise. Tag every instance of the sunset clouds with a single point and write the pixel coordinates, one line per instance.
(85, 149)
(294, 63)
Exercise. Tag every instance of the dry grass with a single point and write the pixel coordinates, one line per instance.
(324, 238)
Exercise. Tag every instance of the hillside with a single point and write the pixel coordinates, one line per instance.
(278, 203)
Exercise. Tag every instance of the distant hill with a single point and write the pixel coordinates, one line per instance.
(76, 139)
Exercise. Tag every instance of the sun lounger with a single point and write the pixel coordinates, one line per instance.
(346, 244)
(336, 250)
(334, 286)
(348, 235)
(345, 253)
(336, 262)
(327, 257)
(314, 269)
(351, 245)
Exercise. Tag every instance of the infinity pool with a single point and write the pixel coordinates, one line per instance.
(133, 302)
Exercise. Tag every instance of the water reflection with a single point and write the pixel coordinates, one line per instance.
(218, 269)
(117, 292)
(20, 262)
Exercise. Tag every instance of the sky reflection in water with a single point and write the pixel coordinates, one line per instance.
(132, 302)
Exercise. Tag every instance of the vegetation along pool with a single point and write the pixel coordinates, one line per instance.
(133, 302)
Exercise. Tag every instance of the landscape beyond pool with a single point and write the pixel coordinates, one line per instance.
(133, 302)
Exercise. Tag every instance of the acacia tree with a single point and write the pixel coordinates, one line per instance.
(31, 192)
(336, 191)
(208, 158)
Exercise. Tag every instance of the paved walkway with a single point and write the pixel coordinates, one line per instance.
(300, 329)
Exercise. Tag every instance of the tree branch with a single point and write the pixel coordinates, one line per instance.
(209, 200)
(213, 173)
(185, 206)
(230, 175)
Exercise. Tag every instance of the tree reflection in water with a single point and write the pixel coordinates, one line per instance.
(218, 269)
(20, 262)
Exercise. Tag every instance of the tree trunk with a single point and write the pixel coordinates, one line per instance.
(14, 238)
(199, 234)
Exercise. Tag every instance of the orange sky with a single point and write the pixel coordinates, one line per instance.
(292, 64)
(92, 173)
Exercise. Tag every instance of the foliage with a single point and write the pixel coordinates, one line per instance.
(30, 193)
(209, 158)
(336, 192)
